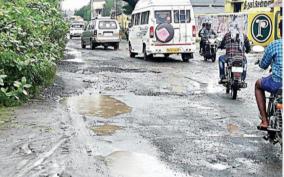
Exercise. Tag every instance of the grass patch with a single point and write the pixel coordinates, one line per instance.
(5, 115)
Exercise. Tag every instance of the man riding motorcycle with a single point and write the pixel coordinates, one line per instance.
(205, 33)
(236, 45)
(199, 35)
(272, 56)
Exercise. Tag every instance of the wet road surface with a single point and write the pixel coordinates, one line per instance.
(108, 115)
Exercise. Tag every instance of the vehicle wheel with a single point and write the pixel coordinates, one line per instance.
(191, 56)
(116, 46)
(185, 57)
(214, 58)
(71, 37)
(93, 46)
(234, 93)
(205, 58)
(146, 56)
(105, 47)
(83, 45)
(167, 55)
(131, 54)
(228, 89)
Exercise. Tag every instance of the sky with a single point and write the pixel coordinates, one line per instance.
(74, 4)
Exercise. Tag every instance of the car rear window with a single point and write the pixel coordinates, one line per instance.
(77, 26)
(164, 16)
(107, 25)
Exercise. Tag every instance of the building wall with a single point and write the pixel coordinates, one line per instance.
(97, 7)
(246, 4)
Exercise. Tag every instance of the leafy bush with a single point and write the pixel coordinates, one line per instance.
(32, 39)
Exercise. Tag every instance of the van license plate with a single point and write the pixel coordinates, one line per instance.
(173, 50)
(107, 34)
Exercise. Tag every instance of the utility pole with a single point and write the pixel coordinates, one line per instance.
(92, 10)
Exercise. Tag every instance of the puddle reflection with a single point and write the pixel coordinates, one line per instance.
(98, 105)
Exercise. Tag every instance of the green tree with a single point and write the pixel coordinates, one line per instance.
(109, 6)
(84, 12)
(128, 9)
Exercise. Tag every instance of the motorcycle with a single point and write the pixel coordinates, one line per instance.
(233, 71)
(210, 48)
(274, 112)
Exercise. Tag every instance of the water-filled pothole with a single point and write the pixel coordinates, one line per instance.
(105, 130)
(98, 105)
(233, 129)
(130, 164)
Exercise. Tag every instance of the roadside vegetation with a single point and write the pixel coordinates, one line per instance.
(32, 39)
(85, 11)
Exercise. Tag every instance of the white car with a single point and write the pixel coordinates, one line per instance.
(76, 29)
(162, 27)
(102, 31)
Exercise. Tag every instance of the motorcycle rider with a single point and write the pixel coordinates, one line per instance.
(199, 35)
(206, 33)
(236, 45)
(272, 56)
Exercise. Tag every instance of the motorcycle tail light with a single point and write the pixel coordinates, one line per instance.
(237, 75)
(279, 106)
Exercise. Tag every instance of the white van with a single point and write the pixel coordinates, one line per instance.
(162, 27)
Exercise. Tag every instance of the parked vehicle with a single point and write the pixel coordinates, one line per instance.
(233, 71)
(210, 48)
(101, 32)
(162, 27)
(76, 29)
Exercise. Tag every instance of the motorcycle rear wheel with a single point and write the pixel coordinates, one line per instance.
(228, 90)
(234, 93)
(214, 58)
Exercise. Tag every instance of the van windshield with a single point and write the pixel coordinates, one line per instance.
(107, 25)
(164, 16)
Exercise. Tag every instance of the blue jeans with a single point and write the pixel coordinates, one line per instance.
(223, 60)
(269, 85)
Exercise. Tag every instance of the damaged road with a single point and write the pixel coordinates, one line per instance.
(108, 115)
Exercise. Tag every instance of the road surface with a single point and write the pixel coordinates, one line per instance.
(108, 115)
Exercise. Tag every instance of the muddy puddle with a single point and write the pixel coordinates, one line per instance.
(105, 130)
(5, 115)
(73, 56)
(129, 164)
(233, 129)
(98, 106)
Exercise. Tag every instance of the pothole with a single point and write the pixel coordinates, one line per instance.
(98, 105)
(105, 130)
(129, 164)
(233, 129)
(114, 69)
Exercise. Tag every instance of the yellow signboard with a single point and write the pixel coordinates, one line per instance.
(260, 23)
